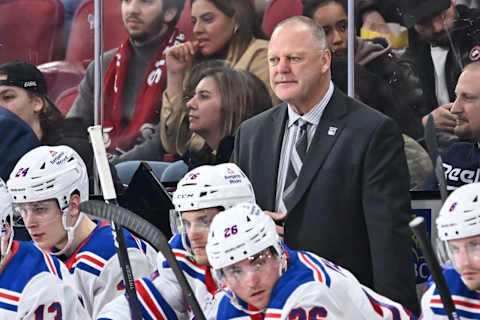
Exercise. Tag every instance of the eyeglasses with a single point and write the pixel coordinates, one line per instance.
(257, 264)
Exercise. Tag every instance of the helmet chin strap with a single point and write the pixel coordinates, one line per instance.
(70, 230)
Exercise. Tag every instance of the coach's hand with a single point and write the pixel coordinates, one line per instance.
(279, 219)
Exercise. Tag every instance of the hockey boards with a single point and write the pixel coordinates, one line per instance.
(151, 234)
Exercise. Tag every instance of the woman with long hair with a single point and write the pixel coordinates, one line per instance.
(221, 100)
(222, 29)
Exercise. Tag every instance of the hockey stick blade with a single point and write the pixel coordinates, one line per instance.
(432, 146)
(418, 227)
(150, 233)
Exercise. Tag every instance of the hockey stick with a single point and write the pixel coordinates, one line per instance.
(432, 146)
(151, 234)
(418, 227)
(109, 193)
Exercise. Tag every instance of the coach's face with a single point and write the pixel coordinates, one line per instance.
(299, 68)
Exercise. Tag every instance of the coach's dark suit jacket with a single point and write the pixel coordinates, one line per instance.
(351, 204)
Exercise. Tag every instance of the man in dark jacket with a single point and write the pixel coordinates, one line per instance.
(134, 79)
(461, 160)
(444, 38)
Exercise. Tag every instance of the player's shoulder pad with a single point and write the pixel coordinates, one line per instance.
(32, 261)
(101, 242)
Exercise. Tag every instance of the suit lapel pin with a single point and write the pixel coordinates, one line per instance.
(332, 131)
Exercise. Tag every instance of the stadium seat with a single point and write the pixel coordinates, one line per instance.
(65, 100)
(127, 169)
(61, 75)
(81, 40)
(278, 10)
(174, 171)
(31, 30)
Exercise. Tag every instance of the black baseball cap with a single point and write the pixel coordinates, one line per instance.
(419, 10)
(23, 75)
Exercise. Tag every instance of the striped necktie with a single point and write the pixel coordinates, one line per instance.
(296, 158)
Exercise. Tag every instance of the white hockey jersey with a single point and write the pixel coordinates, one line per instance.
(467, 302)
(314, 288)
(35, 285)
(161, 297)
(96, 269)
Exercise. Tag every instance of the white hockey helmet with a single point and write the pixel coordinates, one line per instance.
(6, 212)
(223, 185)
(237, 234)
(250, 232)
(48, 172)
(460, 214)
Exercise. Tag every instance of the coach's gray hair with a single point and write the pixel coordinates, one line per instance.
(317, 30)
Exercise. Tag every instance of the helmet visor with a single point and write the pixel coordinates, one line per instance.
(463, 251)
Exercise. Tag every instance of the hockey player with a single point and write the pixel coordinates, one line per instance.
(33, 284)
(262, 278)
(47, 185)
(458, 227)
(200, 195)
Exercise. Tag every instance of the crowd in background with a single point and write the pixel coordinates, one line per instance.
(205, 82)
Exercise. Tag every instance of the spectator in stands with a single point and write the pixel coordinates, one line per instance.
(135, 75)
(362, 224)
(23, 91)
(374, 14)
(223, 98)
(377, 57)
(438, 60)
(461, 160)
(223, 29)
(374, 92)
